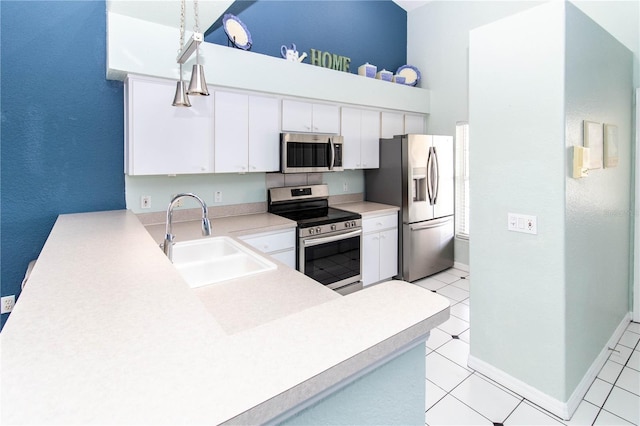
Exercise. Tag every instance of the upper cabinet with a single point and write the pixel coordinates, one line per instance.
(162, 139)
(415, 124)
(398, 123)
(246, 133)
(239, 131)
(309, 117)
(360, 129)
(392, 123)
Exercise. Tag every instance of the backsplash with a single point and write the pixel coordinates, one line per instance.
(235, 189)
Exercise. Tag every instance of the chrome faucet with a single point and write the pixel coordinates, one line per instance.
(168, 238)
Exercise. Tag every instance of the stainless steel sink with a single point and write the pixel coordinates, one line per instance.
(212, 260)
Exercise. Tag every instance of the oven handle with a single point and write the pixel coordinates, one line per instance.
(323, 240)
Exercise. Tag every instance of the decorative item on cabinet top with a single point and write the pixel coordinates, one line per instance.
(291, 54)
(238, 34)
(410, 73)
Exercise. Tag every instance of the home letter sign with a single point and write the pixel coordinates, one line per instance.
(330, 60)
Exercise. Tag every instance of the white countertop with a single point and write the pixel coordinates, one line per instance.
(368, 208)
(106, 331)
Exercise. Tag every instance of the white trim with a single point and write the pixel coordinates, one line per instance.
(461, 266)
(561, 409)
(636, 245)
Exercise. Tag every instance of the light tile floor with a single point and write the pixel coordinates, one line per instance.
(457, 395)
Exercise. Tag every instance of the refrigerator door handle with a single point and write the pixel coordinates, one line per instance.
(436, 182)
(428, 177)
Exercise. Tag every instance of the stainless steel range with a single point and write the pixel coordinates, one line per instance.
(329, 243)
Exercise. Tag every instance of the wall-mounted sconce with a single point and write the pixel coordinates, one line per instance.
(580, 162)
(198, 84)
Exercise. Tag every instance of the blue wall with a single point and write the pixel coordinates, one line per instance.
(62, 125)
(371, 31)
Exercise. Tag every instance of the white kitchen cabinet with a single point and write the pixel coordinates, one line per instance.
(246, 133)
(391, 124)
(380, 248)
(280, 245)
(415, 124)
(264, 134)
(360, 129)
(161, 139)
(309, 117)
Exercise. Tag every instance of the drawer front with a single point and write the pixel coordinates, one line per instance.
(270, 242)
(378, 223)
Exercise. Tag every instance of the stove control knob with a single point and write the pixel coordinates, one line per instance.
(318, 230)
(311, 231)
(353, 223)
(347, 225)
(334, 227)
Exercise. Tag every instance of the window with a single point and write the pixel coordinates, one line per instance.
(462, 180)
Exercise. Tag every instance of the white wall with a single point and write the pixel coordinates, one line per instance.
(598, 87)
(516, 116)
(546, 305)
(438, 42)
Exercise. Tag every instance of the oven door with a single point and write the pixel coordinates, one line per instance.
(334, 260)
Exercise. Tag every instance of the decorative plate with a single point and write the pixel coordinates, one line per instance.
(410, 73)
(237, 31)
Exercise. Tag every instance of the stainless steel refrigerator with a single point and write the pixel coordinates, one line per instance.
(417, 174)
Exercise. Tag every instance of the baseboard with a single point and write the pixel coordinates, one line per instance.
(561, 409)
(582, 388)
(461, 266)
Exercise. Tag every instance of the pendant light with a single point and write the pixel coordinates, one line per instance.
(198, 84)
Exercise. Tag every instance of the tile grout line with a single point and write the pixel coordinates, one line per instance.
(601, 408)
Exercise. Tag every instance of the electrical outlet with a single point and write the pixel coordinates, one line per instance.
(522, 223)
(345, 186)
(179, 202)
(7, 303)
(218, 197)
(145, 202)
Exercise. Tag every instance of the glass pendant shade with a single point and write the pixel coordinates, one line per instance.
(198, 85)
(181, 99)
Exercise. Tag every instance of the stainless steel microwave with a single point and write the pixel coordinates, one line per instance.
(310, 153)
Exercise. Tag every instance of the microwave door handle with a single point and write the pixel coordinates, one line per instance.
(323, 240)
(333, 154)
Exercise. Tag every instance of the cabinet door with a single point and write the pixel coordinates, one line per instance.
(326, 118)
(162, 139)
(370, 139)
(388, 253)
(296, 116)
(264, 134)
(287, 257)
(392, 123)
(231, 132)
(415, 123)
(370, 258)
(350, 131)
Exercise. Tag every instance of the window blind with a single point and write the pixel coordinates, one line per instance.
(462, 180)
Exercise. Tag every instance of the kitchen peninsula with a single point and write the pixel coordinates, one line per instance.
(107, 331)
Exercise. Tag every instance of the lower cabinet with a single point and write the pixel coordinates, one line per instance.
(380, 248)
(280, 245)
